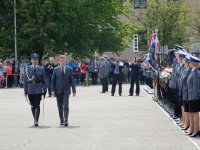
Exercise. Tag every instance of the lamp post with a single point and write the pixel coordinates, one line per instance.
(15, 31)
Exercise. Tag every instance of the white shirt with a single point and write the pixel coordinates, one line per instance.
(64, 67)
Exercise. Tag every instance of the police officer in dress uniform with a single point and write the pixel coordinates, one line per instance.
(193, 82)
(184, 94)
(35, 86)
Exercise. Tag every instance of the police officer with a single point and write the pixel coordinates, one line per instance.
(183, 92)
(194, 97)
(135, 75)
(103, 74)
(35, 86)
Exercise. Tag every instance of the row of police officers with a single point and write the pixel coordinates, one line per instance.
(185, 91)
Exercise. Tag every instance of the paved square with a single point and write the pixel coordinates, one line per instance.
(96, 122)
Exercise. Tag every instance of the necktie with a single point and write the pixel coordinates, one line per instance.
(62, 71)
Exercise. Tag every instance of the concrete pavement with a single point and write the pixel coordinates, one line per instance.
(96, 122)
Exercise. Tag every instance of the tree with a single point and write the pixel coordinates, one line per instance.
(171, 18)
(56, 26)
(196, 25)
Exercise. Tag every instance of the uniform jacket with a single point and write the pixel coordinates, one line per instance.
(193, 82)
(34, 81)
(184, 86)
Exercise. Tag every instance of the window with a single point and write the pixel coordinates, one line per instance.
(140, 4)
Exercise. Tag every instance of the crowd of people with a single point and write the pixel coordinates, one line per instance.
(100, 70)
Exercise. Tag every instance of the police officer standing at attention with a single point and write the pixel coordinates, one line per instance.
(35, 86)
(135, 75)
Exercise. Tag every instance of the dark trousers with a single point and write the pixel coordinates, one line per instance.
(48, 79)
(63, 107)
(106, 86)
(149, 82)
(110, 76)
(35, 103)
(76, 77)
(82, 78)
(134, 80)
(103, 82)
(142, 80)
(10, 81)
(94, 77)
(117, 78)
(35, 100)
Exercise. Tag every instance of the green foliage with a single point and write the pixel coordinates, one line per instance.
(171, 18)
(51, 27)
(196, 25)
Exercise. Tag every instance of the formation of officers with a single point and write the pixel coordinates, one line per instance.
(184, 91)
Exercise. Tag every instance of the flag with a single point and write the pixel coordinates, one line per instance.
(150, 40)
(154, 42)
(157, 43)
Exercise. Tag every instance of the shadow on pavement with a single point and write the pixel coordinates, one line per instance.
(69, 127)
(40, 127)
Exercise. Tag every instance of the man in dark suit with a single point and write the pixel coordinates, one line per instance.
(135, 75)
(117, 77)
(62, 81)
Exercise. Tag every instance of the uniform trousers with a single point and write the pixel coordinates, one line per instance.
(35, 103)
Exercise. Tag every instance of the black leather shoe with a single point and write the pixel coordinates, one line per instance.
(112, 95)
(137, 95)
(66, 124)
(130, 95)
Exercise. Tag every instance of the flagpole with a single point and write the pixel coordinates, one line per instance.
(15, 31)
